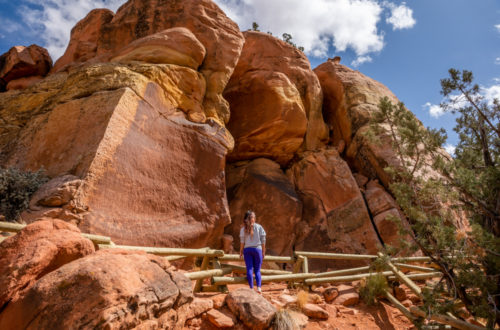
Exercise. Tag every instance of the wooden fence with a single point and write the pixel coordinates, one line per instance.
(215, 265)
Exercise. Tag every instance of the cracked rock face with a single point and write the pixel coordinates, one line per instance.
(123, 130)
(105, 290)
(102, 35)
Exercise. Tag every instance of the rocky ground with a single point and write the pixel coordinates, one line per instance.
(334, 315)
(52, 277)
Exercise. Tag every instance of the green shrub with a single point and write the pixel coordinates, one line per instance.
(16, 189)
(373, 288)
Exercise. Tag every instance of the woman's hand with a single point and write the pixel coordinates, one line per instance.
(241, 254)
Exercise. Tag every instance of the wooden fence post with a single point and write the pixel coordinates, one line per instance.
(216, 265)
(204, 266)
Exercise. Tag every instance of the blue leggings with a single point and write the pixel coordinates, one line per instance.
(253, 261)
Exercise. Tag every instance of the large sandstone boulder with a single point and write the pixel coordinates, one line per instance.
(35, 251)
(251, 308)
(386, 213)
(100, 36)
(350, 99)
(335, 215)
(172, 46)
(261, 186)
(22, 62)
(84, 38)
(107, 290)
(287, 112)
(149, 176)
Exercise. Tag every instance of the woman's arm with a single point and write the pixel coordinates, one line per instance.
(241, 250)
(263, 251)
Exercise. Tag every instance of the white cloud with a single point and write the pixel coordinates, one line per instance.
(401, 16)
(318, 24)
(9, 26)
(360, 60)
(459, 101)
(450, 148)
(491, 93)
(497, 27)
(55, 19)
(497, 61)
(434, 110)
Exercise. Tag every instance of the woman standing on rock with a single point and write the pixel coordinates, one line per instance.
(253, 248)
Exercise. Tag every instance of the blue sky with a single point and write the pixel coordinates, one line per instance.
(408, 46)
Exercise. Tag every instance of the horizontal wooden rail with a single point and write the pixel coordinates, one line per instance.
(262, 271)
(420, 276)
(16, 227)
(167, 251)
(357, 277)
(411, 259)
(344, 256)
(340, 272)
(265, 279)
(335, 256)
(413, 267)
(98, 239)
(341, 279)
(208, 273)
(174, 258)
(236, 257)
(11, 227)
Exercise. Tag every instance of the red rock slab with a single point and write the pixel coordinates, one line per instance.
(268, 65)
(251, 308)
(335, 217)
(39, 249)
(263, 187)
(84, 38)
(219, 319)
(21, 61)
(349, 98)
(378, 199)
(107, 289)
(348, 296)
(314, 311)
(176, 46)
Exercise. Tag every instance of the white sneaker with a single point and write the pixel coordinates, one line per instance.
(259, 290)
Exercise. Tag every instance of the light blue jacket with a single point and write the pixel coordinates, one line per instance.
(259, 237)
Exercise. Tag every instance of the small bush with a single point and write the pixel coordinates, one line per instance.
(16, 189)
(283, 320)
(373, 288)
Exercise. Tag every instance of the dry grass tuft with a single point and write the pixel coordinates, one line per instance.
(302, 298)
(283, 320)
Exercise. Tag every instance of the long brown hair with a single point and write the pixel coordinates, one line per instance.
(247, 222)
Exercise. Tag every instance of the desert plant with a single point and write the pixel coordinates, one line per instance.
(302, 298)
(283, 320)
(469, 260)
(373, 288)
(16, 189)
